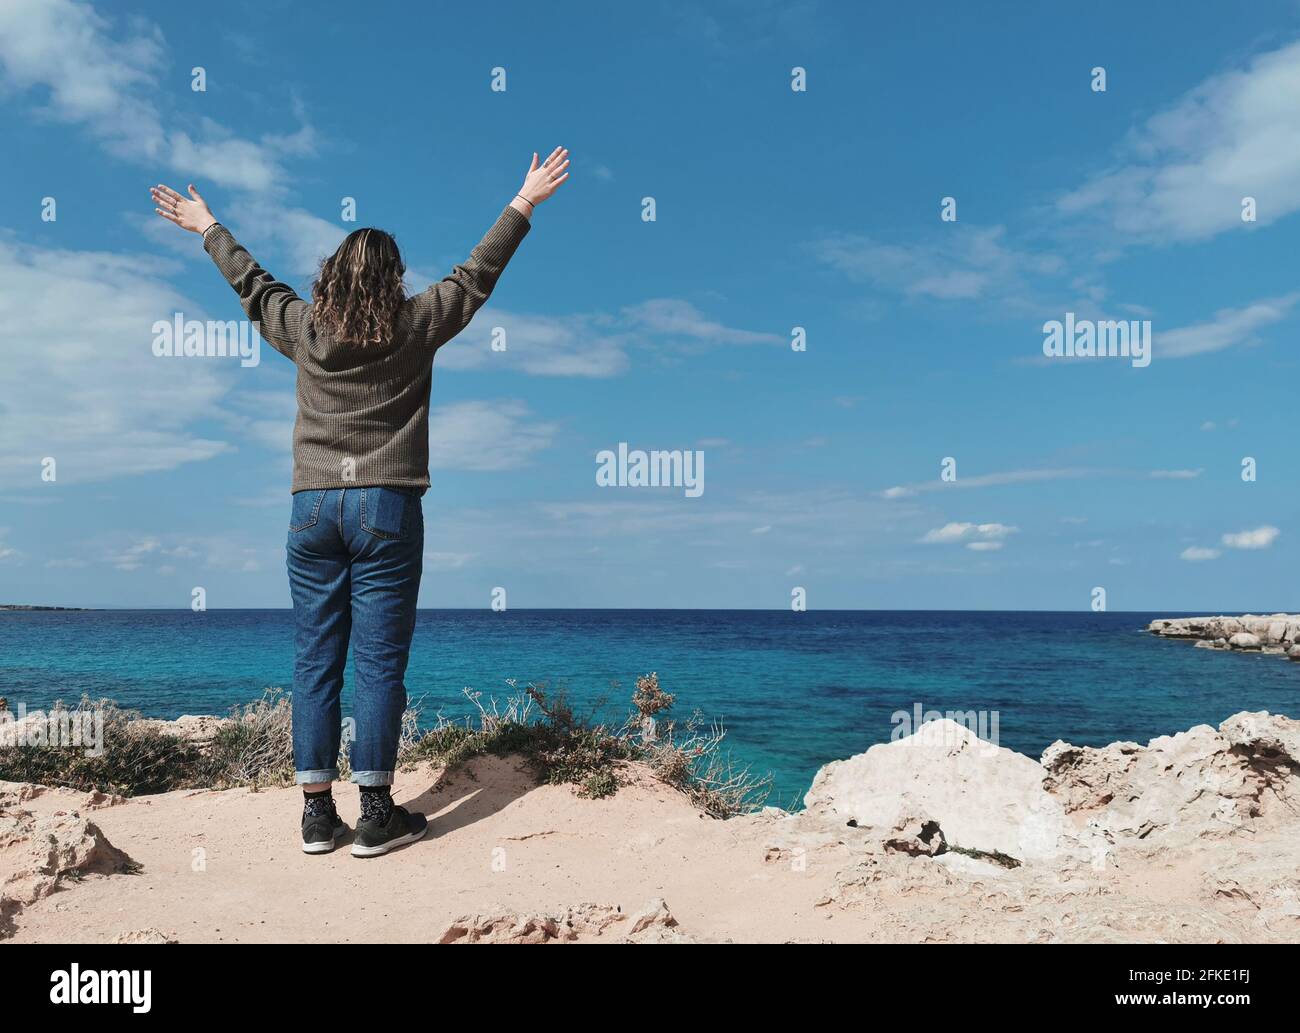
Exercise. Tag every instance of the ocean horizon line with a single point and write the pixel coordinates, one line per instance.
(53, 608)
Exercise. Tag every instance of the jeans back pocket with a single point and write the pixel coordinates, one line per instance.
(386, 512)
(306, 509)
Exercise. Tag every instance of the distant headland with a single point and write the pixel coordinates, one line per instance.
(64, 609)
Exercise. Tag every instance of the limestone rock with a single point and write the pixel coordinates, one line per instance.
(39, 854)
(501, 925)
(1199, 783)
(655, 913)
(654, 923)
(984, 797)
(145, 936)
(1277, 633)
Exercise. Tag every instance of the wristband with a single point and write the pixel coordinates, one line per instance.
(525, 200)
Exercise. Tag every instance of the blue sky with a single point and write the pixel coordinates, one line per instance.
(775, 209)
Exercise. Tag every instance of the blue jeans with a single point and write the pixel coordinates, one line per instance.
(355, 559)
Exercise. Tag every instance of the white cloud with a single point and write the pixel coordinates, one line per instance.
(965, 262)
(1183, 173)
(568, 346)
(596, 345)
(1177, 475)
(987, 480)
(1228, 328)
(960, 532)
(1259, 538)
(984, 546)
(303, 237)
(79, 382)
(108, 82)
(91, 78)
(673, 317)
(485, 436)
(264, 417)
(1196, 554)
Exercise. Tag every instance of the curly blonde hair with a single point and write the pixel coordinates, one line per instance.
(359, 291)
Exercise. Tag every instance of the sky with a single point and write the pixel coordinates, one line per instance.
(775, 208)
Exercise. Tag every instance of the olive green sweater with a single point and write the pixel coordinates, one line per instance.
(363, 413)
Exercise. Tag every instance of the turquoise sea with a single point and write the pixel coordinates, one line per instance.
(794, 690)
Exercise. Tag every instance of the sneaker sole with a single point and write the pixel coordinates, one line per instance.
(325, 846)
(375, 851)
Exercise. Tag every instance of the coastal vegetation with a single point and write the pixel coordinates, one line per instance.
(253, 747)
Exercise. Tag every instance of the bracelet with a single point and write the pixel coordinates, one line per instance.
(525, 200)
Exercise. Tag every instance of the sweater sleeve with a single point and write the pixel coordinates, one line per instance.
(445, 309)
(278, 312)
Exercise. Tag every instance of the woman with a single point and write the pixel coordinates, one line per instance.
(364, 353)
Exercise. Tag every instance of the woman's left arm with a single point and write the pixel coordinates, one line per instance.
(277, 310)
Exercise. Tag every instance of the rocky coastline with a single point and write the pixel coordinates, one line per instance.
(1277, 633)
(937, 837)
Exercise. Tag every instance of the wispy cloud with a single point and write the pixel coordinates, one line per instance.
(988, 480)
(1183, 173)
(1176, 475)
(963, 263)
(1228, 328)
(107, 80)
(674, 317)
(485, 436)
(596, 345)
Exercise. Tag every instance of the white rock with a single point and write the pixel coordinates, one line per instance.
(984, 797)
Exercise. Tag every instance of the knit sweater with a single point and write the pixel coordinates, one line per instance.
(363, 412)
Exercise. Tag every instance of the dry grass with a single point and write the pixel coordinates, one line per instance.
(256, 748)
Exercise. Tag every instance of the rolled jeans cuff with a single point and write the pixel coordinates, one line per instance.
(372, 778)
(306, 778)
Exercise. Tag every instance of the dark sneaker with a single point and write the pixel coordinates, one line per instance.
(402, 827)
(321, 832)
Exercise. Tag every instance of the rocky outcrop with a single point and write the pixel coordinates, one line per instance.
(984, 797)
(1191, 837)
(39, 854)
(146, 936)
(954, 839)
(1276, 633)
(198, 729)
(35, 727)
(1204, 782)
(652, 924)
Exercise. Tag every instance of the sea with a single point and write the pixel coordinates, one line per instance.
(791, 690)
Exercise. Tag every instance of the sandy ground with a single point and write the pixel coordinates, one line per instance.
(1192, 838)
(226, 866)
